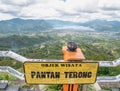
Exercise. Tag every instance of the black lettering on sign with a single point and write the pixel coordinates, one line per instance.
(45, 74)
(71, 65)
(49, 65)
(78, 74)
(32, 74)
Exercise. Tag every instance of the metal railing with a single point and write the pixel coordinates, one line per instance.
(24, 59)
(12, 71)
(21, 75)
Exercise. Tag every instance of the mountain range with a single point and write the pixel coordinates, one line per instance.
(18, 25)
(103, 25)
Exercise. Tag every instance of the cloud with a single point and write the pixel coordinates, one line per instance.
(39, 11)
(18, 2)
(74, 7)
(109, 9)
(71, 10)
(6, 16)
(109, 5)
(10, 8)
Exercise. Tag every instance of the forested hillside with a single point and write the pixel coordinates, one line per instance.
(48, 46)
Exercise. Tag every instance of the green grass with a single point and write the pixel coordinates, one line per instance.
(7, 76)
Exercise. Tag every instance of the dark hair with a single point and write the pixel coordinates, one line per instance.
(72, 46)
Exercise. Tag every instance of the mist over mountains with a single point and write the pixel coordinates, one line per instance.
(18, 25)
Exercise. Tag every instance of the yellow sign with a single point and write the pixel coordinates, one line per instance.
(60, 72)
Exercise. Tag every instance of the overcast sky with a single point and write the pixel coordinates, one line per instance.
(70, 10)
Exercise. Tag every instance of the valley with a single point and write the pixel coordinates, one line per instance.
(34, 41)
